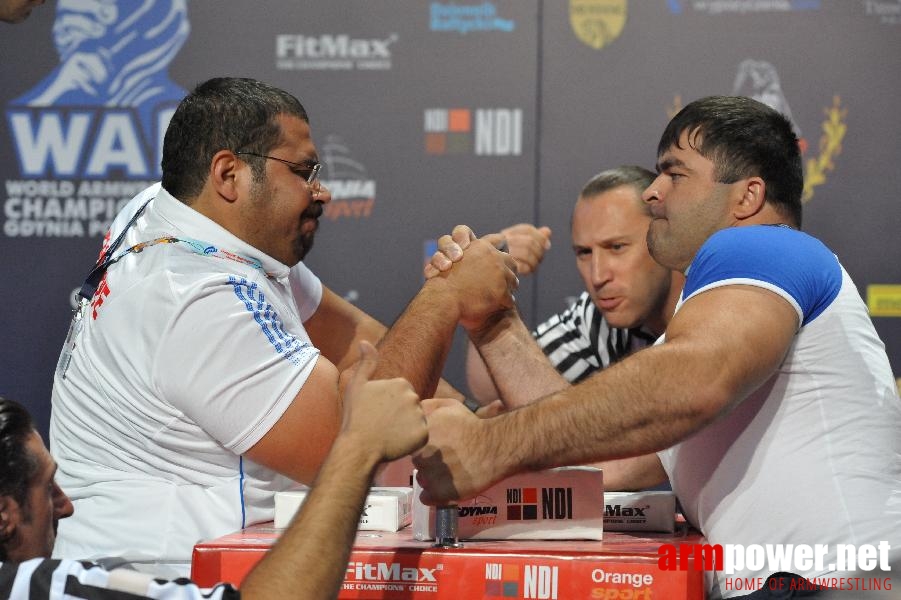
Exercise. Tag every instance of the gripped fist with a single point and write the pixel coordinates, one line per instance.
(525, 243)
(384, 414)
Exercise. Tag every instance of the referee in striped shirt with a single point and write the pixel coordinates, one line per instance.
(309, 559)
(628, 298)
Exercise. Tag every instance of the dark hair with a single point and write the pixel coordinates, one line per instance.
(638, 177)
(225, 113)
(17, 465)
(744, 138)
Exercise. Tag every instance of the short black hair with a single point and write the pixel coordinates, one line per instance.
(18, 466)
(224, 113)
(744, 138)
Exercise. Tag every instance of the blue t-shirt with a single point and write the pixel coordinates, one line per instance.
(780, 257)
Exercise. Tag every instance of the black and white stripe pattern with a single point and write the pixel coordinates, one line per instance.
(579, 341)
(46, 579)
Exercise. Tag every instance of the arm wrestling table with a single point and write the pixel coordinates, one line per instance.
(624, 566)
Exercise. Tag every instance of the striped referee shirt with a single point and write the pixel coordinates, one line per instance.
(43, 578)
(579, 341)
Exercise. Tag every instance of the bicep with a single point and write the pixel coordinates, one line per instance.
(337, 327)
(299, 441)
(730, 340)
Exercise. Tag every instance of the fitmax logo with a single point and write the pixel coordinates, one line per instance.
(332, 46)
(361, 571)
(616, 510)
(332, 52)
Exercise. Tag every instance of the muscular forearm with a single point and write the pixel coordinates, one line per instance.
(478, 378)
(638, 406)
(310, 558)
(416, 346)
(720, 347)
(521, 372)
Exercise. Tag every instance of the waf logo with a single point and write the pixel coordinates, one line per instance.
(97, 120)
(760, 80)
(536, 581)
(523, 505)
(482, 131)
(114, 57)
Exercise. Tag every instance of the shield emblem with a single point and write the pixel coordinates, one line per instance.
(597, 22)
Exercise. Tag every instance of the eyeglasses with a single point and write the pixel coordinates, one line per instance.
(309, 173)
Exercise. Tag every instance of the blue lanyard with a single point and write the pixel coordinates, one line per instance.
(92, 281)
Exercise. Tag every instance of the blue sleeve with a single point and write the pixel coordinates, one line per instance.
(787, 261)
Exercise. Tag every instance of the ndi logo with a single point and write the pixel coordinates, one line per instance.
(522, 504)
(483, 131)
(540, 581)
(501, 580)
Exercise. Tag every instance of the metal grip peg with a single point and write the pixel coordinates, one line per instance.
(446, 527)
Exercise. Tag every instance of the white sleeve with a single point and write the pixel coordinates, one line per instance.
(231, 359)
(307, 290)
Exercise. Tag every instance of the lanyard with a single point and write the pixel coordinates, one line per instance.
(108, 258)
(96, 275)
(198, 247)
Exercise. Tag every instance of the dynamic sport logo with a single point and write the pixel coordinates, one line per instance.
(351, 188)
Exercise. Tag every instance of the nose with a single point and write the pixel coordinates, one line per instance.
(62, 505)
(601, 273)
(651, 195)
(320, 192)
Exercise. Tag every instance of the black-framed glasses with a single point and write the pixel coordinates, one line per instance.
(310, 173)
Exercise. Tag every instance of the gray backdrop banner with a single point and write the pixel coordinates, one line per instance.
(430, 114)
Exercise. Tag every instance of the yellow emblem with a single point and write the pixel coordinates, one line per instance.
(884, 300)
(597, 22)
(834, 129)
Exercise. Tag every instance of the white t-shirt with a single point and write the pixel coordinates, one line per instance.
(190, 352)
(812, 456)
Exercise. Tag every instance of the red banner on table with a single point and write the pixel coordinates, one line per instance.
(386, 565)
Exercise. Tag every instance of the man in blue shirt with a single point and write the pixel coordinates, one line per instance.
(769, 401)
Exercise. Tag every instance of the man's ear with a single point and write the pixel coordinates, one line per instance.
(753, 197)
(226, 174)
(10, 514)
